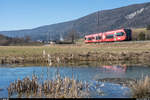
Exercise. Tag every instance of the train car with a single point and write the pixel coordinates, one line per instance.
(94, 38)
(110, 36)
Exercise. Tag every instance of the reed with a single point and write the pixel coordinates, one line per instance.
(141, 89)
(55, 88)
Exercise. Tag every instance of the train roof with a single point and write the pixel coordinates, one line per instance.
(114, 30)
(105, 32)
(92, 34)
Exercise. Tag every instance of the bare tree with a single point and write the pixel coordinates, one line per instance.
(72, 35)
(27, 38)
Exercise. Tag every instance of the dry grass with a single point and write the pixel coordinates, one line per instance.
(73, 49)
(141, 89)
(56, 88)
(137, 31)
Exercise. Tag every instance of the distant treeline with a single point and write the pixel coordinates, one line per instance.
(8, 41)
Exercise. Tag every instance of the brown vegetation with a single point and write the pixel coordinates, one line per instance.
(141, 89)
(56, 88)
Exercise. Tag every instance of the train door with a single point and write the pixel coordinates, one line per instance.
(115, 37)
(99, 37)
(103, 37)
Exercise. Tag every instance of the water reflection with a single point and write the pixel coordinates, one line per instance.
(116, 68)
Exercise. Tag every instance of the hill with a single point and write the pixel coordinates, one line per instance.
(132, 16)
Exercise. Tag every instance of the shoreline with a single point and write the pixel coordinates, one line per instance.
(142, 57)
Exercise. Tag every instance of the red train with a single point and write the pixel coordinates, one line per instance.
(110, 36)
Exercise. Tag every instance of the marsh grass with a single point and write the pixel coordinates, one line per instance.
(141, 89)
(57, 87)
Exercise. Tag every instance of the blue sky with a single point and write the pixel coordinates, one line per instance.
(26, 14)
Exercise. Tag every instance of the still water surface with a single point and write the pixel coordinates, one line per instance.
(85, 73)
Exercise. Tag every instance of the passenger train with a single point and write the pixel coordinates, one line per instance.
(110, 36)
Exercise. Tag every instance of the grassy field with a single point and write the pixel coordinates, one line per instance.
(137, 31)
(103, 50)
(115, 47)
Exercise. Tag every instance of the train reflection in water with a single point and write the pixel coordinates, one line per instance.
(116, 68)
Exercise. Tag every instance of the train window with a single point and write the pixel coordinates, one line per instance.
(98, 37)
(90, 38)
(119, 34)
(110, 36)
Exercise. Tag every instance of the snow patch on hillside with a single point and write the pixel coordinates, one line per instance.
(132, 15)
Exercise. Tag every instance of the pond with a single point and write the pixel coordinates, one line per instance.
(85, 73)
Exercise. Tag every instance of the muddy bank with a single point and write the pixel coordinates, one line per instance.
(141, 57)
(122, 81)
